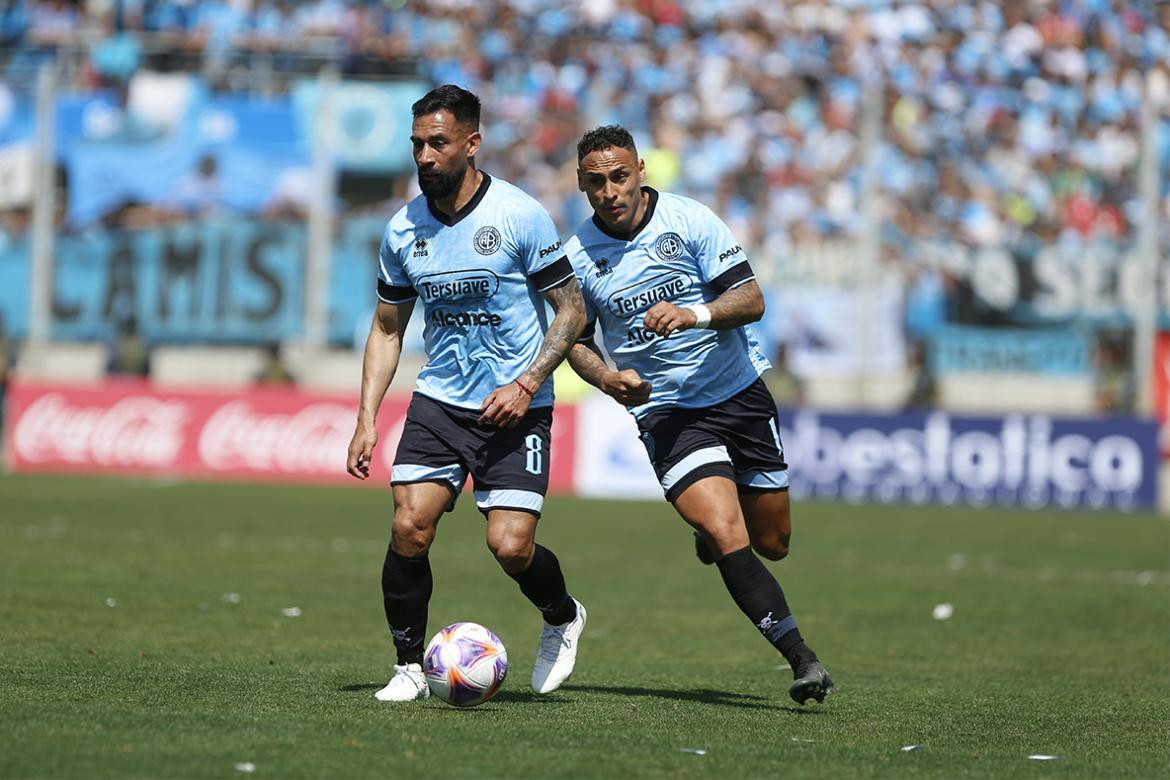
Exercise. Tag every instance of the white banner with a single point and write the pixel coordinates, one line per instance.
(611, 461)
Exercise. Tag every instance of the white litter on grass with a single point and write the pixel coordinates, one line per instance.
(111, 602)
(291, 612)
(693, 751)
(231, 598)
(802, 739)
(957, 562)
(911, 748)
(340, 544)
(1042, 757)
(246, 766)
(783, 667)
(943, 611)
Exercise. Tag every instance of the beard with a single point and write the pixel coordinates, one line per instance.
(436, 184)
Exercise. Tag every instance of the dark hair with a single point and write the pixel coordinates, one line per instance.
(463, 105)
(605, 138)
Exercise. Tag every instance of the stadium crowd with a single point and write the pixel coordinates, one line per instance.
(1002, 120)
(1012, 124)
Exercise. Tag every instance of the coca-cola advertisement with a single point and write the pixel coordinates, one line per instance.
(271, 433)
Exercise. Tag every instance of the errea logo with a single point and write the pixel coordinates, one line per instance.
(735, 250)
(420, 247)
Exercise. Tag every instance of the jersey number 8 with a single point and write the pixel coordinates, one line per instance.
(535, 455)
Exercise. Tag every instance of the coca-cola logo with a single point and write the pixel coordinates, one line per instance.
(134, 431)
(313, 439)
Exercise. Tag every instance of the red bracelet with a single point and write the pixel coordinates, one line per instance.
(525, 389)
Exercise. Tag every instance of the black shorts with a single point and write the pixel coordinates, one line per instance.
(738, 438)
(444, 443)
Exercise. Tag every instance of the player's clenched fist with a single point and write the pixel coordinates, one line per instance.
(626, 387)
(665, 318)
(361, 449)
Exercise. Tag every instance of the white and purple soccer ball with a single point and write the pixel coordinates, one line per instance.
(465, 664)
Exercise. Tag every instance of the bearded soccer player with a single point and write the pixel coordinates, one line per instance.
(673, 291)
(483, 257)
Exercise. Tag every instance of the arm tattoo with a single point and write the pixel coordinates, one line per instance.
(586, 361)
(738, 306)
(562, 333)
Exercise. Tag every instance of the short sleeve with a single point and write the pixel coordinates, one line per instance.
(393, 284)
(723, 264)
(541, 254)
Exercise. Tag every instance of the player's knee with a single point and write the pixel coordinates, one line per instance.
(412, 533)
(513, 552)
(773, 548)
(725, 527)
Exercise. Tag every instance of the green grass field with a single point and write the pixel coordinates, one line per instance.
(123, 652)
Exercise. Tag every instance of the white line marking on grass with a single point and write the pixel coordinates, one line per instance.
(1042, 757)
(693, 751)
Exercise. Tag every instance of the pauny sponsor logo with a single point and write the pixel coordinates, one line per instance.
(735, 250)
(645, 294)
(477, 284)
(548, 250)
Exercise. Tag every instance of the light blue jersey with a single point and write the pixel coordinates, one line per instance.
(682, 253)
(479, 275)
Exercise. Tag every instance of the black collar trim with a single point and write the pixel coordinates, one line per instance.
(653, 193)
(467, 207)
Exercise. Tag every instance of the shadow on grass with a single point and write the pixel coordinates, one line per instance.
(360, 687)
(701, 695)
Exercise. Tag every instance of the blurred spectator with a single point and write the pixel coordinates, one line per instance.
(785, 386)
(922, 390)
(274, 371)
(129, 354)
(200, 193)
(1111, 363)
(6, 361)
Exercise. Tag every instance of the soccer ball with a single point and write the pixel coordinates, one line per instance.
(465, 664)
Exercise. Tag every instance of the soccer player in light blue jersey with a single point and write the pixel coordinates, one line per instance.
(483, 257)
(672, 292)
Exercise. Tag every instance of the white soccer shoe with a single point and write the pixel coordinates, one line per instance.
(407, 684)
(557, 653)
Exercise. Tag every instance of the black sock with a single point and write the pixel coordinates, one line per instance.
(544, 585)
(406, 592)
(759, 596)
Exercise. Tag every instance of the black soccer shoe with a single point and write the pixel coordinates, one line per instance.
(812, 682)
(703, 551)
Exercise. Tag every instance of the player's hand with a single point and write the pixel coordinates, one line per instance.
(505, 407)
(626, 387)
(361, 449)
(665, 318)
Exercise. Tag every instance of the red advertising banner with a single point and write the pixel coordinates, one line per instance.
(266, 433)
(1162, 376)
